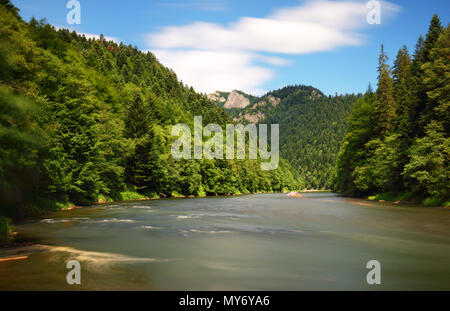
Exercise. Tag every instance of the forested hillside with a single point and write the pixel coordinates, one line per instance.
(312, 127)
(397, 143)
(85, 120)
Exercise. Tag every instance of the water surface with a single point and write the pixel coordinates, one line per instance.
(252, 242)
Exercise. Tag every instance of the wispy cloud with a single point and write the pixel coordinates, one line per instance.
(211, 56)
(210, 70)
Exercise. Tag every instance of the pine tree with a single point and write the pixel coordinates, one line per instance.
(434, 31)
(385, 104)
(401, 65)
(419, 95)
(414, 84)
(401, 70)
(436, 81)
(11, 7)
(411, 157)
(137, 117)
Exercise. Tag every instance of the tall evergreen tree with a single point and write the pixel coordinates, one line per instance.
(411, 157)
(432, 36)
(419, 93)
(385, 104)
(436, 81)
(137, 117)
(402, 93)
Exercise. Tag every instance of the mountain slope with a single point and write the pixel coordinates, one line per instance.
(83, 121)
(312, 127)
(243, 107)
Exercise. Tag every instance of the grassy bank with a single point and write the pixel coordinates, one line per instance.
(408, 197)
(6, 230)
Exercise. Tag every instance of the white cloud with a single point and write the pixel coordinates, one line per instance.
(208, 71)
(227, 54)
(272, 60)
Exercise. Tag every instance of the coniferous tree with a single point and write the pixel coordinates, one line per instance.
(385, 104)
(420, 93)
(402, 94)
(137, 117)
(436, 82)
(410, 157)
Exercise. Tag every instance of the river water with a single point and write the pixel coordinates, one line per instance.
(252, 242)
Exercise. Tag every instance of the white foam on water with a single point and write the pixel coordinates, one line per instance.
(210, 231)
(96, 258)
(62, 220)
(115, 220)
(184, 217)
(147, 227)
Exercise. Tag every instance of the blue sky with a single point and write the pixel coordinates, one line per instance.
(255, 45)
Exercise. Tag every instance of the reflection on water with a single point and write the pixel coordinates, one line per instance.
(254, 242)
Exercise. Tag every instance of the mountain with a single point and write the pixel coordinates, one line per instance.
(243, 107)
(312, 126)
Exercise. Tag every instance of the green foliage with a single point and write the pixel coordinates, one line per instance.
(312, 126)
(428, 169)
(397, 139)
(361, 127)
(5, 230)
(380, 170)
(132, 196)
(436, 81)
(84, 120)
(384, 105)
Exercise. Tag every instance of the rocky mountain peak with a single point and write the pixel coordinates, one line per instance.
(236, 100)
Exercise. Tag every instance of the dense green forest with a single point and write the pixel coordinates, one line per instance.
(397, 144)
(312, 126)
(85, 121)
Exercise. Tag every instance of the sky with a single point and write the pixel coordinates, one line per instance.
(256, 45)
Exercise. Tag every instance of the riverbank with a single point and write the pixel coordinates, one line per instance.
(406, 198)
(8, 235)
(314, 190)
(5, 230)
(136, 196)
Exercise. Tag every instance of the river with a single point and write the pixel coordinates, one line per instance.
(251, 242)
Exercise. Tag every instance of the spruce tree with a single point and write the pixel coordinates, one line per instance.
(385, 104)
(432, 36)
(137, 117)
(437, 82)
(422, 109)
(402, 94)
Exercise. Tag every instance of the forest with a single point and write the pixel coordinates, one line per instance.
(85, 121)
(397, 144)
(312, 126)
